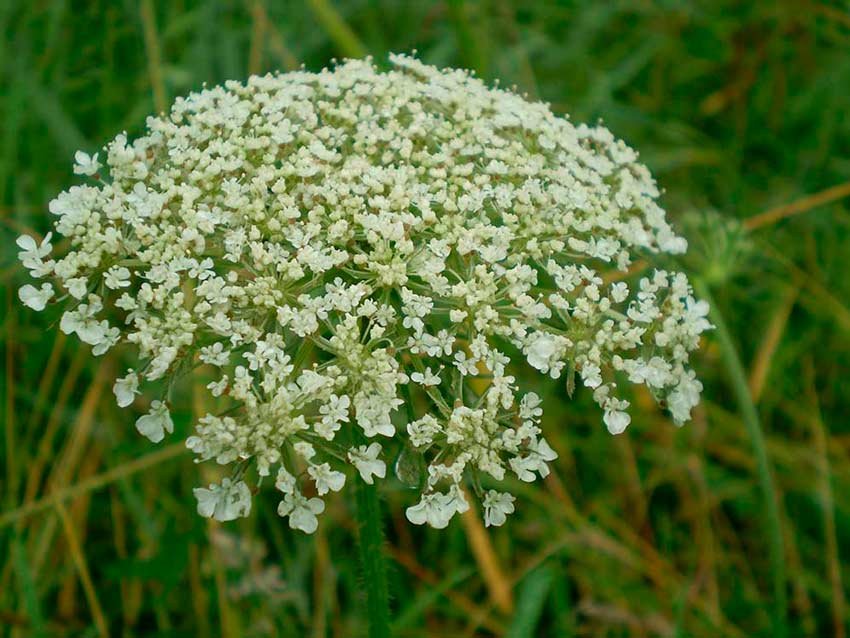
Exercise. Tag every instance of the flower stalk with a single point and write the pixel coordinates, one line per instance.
(372, 560)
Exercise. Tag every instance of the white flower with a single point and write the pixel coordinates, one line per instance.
(117, 277)
(83, 322)
(35, 298)
(431, 509)
(529, 407)
(305, 450)
(224, 502)
(437, 509)
(32, 251)
(544, 353)
(497, 505)
(86, 164)
(346, 278)
(373, 414)
(77, 287)
(591, 374)
(539, 454)
(540, 351)
(617, 421)
(301, 511)
(285, 482)
(426, 378)
(32, 255)
(619, 291)
(457, 316)
(327, 480)
(125, 389)
(466, 365)
(215, 354)
(366, 460)
(684, 398)
(156, 422)
(541, 448)
(217, 388)
(334, 413)
(422, 431)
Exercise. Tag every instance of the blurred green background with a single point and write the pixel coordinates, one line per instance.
(742, 112)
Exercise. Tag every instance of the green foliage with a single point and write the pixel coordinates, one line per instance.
(737, 107)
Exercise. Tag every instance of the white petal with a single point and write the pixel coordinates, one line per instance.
(206, 501)
(25, 242)
(316, 505)
(285, 482)
(417, 514)
(150, 426)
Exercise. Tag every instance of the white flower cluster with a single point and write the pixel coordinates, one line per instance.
(365, 259)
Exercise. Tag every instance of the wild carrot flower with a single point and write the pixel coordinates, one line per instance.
(366, 259)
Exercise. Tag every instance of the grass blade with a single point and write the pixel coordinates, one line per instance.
(498, 584)
(747, 408)
(29, 595)
(337, 29)
(803, 205)
(146, 12)
(421, 603)
(95, 482)
(83, 572)
(534, 590)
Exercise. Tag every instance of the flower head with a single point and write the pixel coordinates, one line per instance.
(363, 256)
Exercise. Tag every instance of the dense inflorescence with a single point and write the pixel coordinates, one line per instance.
(364, 259)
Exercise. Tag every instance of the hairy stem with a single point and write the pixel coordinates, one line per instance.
(372, 559)
(748, 411)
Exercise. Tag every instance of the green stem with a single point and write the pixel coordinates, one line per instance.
(374, 567)
(751, 420)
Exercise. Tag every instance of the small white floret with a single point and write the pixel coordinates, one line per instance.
(156, 422)
(301, 511)
(126, 388)
(617, 421)
(497, 506)
(35, 298)
(366, 460)
(224, 502)
(86, 164)
(327, 480)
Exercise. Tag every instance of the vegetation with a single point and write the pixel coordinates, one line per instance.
(734, 525)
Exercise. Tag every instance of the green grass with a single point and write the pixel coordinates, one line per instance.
(738, 108)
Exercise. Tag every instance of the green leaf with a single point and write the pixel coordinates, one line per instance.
(533, 591)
